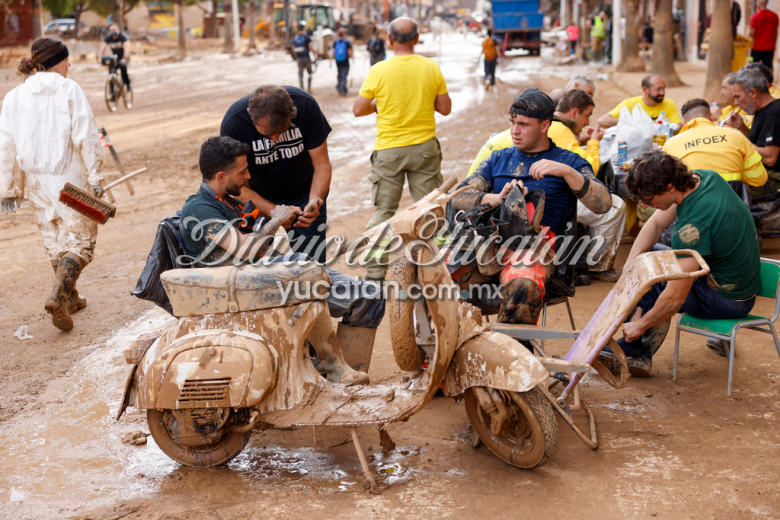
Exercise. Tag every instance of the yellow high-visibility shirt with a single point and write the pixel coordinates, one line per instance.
(667, 105)
(405, 89)
(728, 109)
(703, 145)
(564, 138)
(774, 91)
(497, 142)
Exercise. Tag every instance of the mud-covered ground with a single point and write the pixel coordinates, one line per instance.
(668, 449)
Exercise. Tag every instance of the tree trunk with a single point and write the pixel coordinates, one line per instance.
(77, 10)
(119, 15)
(632, 61)
(182, 40)
(227, 7)
(252, 7)
(584, 42)
(721, 50)
(663, 49)
(37, 20)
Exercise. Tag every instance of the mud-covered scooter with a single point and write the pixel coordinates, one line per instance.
(236, 359)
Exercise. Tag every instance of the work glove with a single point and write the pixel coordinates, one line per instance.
(8, 205)
(98, 189)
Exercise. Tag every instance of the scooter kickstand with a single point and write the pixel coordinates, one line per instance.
(363, 461)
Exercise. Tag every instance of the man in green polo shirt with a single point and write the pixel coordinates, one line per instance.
(711, 220)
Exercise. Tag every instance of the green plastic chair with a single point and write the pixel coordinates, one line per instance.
(727, 329)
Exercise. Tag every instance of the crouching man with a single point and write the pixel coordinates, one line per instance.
(533, 163)
(209, 226)
(712, 220)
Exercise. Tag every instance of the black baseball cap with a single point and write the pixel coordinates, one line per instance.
(537, 105)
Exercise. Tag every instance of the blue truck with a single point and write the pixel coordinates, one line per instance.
(518, 24)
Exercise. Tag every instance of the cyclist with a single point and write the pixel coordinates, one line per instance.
(120, 46)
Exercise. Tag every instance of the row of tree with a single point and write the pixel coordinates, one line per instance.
(718, 57)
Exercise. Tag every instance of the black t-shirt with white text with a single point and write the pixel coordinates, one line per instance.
(116, 42)
(283, 171)
(766, 127)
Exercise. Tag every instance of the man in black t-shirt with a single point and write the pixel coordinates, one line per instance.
(376, 48)
(751, 94)
(288, 163)
(120, 45)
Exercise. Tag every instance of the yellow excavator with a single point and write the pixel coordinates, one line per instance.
(317, 17)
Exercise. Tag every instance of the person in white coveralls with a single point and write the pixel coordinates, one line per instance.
(48, 132)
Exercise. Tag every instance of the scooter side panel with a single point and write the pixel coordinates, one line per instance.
(493, 360)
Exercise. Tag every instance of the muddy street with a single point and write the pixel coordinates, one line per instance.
(669, 449)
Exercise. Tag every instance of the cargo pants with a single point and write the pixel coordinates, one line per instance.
(418, 164)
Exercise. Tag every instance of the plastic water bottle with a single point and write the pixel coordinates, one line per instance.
(666, 122)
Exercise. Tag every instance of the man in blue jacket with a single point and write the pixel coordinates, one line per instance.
(534, 163)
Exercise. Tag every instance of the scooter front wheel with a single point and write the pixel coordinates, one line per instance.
(529, 436)
(217, 453)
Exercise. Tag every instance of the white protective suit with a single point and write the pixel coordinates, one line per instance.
(47, 128)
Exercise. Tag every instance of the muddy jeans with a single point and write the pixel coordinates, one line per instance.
(490, 71)
(609, 226)
(304, 63)
(419, 164)
(702, 302)
(343, 70)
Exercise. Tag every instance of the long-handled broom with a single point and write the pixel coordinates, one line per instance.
(88, 204)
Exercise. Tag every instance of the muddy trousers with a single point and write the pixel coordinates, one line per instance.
(516, 294)
(702, 302)
(417, 164)
(605, 231)
(342, 68)
(304, 64)
(490, 71)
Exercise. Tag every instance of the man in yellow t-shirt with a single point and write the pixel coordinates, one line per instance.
(702, 145)
(723, 113)
(404, 91)
(652, 101)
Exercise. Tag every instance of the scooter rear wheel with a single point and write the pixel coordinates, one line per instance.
(528, 441)
(214, 454)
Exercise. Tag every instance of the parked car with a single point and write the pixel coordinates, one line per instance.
(61, 26)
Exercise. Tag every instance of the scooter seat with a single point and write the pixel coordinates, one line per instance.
(215, 290)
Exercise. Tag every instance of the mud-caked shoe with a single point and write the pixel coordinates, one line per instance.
(719, 346)
(637, 367)
(612, 276)
(68, 271)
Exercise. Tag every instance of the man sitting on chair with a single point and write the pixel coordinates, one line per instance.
(712, 220)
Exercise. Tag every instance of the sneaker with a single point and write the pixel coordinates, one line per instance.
(719, 346)
(612, 276)
(637, 367)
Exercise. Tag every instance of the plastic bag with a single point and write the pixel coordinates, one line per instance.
(165, 253)
(636, 129)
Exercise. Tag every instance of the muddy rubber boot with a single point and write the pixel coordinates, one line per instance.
(309, 85)
(357, 345)
(68, 271)
(328, 347)
(300, 81)
(75, 302)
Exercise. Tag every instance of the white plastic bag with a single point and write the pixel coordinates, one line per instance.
(636, 128)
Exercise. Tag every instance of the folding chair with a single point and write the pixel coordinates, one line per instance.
(727, 329)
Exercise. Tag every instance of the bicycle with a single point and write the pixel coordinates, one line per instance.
(114, 85)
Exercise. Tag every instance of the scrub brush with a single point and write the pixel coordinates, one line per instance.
(88, 204)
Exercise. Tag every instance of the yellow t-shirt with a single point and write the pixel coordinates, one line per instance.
(405, 88)
(667, 105)
(702, 145)
(497, 142)
(728, 109)
(564, 138)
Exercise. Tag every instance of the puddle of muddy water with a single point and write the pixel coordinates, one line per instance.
(70, 456)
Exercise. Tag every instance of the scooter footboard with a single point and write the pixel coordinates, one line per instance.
(493, 360)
